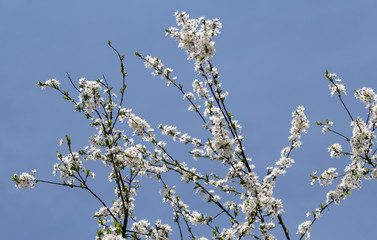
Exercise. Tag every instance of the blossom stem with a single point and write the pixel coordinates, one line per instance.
(330, 130)
(286, 231)
(179, 225)
(70, 79)
(344, 105)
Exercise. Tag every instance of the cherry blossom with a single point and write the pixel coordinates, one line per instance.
(131, 150)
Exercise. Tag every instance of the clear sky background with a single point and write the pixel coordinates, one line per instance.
(271, 55)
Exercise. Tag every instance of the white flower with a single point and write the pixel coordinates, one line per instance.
(140, 226)
(335, 85)
(112, 236)
(328, 176)
(228, 234)
(196, 218)
(52, 83)
(299, 125)
(285, 162)
(161, 231)
(89, 97)
(200, 89)
(195, 36)
(335, 150)
(304, 229)
(153, 62)
(366, 96)
(25, 181)
(189, 96)
(327, 126)
(139, 125)
(361, 138)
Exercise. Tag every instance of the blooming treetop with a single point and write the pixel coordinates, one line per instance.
(244, 202)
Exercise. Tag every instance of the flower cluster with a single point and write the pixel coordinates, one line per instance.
(195, 35)
(369, 98)
(335, 150)
(336, 86)
(326, 127)
(89, 97)
(326, 178)
(304, 229)
(299, 125)
(159, 231)
(366, 96)
(25, 180)
(361, 141)
(52, 83)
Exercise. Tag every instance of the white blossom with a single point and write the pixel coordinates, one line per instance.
(335, 150)
(335, 85)
(328, 176)
(89, 97)
(304, 229)
(299, 125)
(327, 126)
(366, 96)
(195, 36)
(52, 83)
(25, 180)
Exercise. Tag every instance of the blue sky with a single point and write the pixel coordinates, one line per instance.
(271, 55)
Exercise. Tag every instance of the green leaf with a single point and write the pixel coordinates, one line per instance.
(15, 179)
